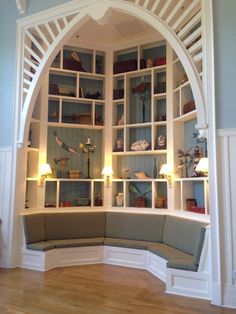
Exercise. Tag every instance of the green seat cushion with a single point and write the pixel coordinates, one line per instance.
(40, 246)
(185, 235)
(76, 242)
(34, 228)
(134, 244)
(144, 227)
(60, 226)
(167, 252)
(186, 263)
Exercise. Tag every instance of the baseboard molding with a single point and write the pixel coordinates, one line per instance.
(6, 261)
(229, 296)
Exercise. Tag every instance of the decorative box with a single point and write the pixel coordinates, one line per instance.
(189, 106)
(83, 118)
(124, 66)
(197, 209)
(139, 201)
(73, 65)
(159, 61)
(74, 174)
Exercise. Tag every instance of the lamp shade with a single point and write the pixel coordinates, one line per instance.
(45, 169)
(165, 169)
(202, 166)
(107, 171)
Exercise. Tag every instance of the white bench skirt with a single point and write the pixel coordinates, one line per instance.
(181, 282)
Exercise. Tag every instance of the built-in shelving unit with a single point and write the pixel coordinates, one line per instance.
(152, 116)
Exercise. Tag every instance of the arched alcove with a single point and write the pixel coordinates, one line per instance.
(179, 25)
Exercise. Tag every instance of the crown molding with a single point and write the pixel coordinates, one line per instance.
(21, 6)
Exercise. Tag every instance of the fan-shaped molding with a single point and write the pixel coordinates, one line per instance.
(40, 38)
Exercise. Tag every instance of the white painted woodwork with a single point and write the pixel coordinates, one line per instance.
(185, 283)
(226, 152)
(45, 36)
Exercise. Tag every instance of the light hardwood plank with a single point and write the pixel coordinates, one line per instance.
(97, 289)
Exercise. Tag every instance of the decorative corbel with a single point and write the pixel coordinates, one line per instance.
(21, 6)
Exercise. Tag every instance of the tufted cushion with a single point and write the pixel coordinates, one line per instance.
(182, 263)
(34, 228)
(185, 235)
(167, 252)
(143, 227)
(40, 246)
(75, 225)
(76, 242)
(133, 244)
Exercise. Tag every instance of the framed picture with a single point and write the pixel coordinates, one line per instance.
(190, 202)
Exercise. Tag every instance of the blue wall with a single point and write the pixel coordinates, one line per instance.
(225, 55)
(225, 62)
(8, 16)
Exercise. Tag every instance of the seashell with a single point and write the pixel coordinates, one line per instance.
(140, 145)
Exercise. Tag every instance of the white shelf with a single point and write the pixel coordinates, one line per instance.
(32, 149)
(187, 116)
(140, 72)
(160, 95)
(32, 179)
(191, 179)
(81, 73)
(34, 120)
(76, 126)
(139, 125)
(73, 180)
(75, 99)
(118, 101)
(137, 153)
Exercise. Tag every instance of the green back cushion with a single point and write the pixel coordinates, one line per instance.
(34, 228)
(74, 225)
(144, 227)
(185, 235)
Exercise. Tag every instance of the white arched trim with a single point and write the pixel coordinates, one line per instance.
(67, 20)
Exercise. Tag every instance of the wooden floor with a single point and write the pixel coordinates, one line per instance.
(95, 289)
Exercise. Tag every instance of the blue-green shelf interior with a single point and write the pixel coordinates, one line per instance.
(53, 110)
(66, 161)
(160, 110)
(71, 191)
(139, 164)
(137, 99)
(143, 187)
(91, 88)
(71, 111)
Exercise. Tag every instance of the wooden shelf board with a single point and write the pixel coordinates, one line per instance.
(76, 126)
(81, 73)
(191, 179)
(187, 116)
(145, 152)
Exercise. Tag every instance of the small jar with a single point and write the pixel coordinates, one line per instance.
(119, 199)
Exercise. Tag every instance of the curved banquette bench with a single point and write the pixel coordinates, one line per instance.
(160, 243)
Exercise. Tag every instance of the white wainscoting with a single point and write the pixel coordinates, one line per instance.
(181, 282)
(226, 154)
(5, 206)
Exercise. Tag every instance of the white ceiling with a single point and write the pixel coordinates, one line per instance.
(116, 27)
